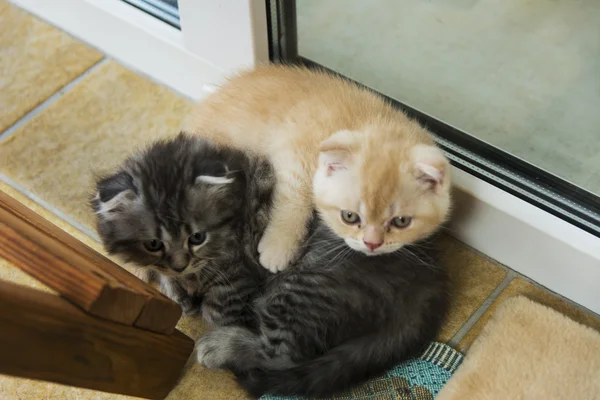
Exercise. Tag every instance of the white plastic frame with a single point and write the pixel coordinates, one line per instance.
(533, 242)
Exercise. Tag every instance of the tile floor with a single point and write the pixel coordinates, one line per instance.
(85, 118)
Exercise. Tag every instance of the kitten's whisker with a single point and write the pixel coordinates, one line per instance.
(340, 256)
(330, 251)
(417, 258)
(338, 260)
(320, 242)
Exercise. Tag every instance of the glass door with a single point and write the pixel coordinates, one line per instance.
(510, 88)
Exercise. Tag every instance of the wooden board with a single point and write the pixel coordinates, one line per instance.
(79, 273)
(42, 336)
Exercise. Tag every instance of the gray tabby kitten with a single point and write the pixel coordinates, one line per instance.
(334, 319)
(185, 211)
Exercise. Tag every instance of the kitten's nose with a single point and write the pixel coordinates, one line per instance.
(178, 262)
(372, 246)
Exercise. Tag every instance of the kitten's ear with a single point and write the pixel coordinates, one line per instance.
(214, 173)
(431, 166)
(115, 191)
(335, 152)
(213, 180)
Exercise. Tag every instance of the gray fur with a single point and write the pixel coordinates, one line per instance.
(163, 193)
(335, 318)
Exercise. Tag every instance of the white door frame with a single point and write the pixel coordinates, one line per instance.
(220, 36)
(231, 34)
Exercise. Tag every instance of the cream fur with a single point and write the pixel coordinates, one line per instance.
(373, 159)
(531, 352)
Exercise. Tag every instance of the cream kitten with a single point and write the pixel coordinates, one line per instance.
(375, 176)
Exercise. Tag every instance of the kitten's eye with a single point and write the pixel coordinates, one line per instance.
(153, 245)
(350, 217)
(401, 222)
(197, 238)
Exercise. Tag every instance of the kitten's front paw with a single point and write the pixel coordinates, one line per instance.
(188, 306)
(212, 350)
(276, 251)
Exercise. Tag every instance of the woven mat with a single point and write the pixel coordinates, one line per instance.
(421, 378)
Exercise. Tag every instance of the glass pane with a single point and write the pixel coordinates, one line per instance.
(521, 75)
(165, 10)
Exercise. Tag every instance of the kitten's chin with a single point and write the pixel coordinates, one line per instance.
(174, 274)
(358, 245)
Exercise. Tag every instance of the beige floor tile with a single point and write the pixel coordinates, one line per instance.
(12, 388)
(473, 278)
(36, 60)
(10, 273)
(87, 131)
(538, 294)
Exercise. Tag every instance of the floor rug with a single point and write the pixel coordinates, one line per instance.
(421, 378)
(528, 351)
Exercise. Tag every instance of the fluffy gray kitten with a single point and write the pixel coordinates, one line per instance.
(184, 210)
(334, 319)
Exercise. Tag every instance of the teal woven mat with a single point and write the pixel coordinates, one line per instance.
(421, 378)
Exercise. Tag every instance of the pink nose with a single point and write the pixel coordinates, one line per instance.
(373, 246)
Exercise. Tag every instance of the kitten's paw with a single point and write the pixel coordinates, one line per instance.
(276, 251)
(188, 306)
(213, 350)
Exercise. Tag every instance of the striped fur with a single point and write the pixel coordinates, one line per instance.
(334, 319)
(170, 191)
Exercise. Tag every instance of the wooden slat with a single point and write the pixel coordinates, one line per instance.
(42, 336)
(158, 314)
(56, 266)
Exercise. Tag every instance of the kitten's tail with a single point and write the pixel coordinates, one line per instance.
(337, 370)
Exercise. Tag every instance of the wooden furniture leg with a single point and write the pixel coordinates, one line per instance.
(43, 336)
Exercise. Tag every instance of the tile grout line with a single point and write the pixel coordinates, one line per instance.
(49, 101)
(466, 327)
(524, 277)
(52, 209)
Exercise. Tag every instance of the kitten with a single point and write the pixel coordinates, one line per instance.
(375, 176)
(192, 215)
(334, 319)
